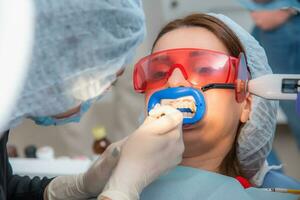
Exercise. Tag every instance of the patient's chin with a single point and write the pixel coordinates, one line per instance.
(198, 125)
(188, 126)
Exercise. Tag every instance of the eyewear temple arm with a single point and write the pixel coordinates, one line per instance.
(217, 86)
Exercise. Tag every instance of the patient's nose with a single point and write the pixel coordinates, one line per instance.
(177, 79)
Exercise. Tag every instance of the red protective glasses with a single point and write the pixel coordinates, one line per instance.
(204, 69)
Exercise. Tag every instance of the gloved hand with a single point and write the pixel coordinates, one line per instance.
(88, 184)
(270, 19)
(154, 148)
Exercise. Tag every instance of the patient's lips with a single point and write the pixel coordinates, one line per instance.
(185, 104)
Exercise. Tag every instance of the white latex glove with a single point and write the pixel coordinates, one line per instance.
(154, 148)
(88, 184)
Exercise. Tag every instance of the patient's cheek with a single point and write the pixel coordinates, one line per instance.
(220, 102)
(222, 113)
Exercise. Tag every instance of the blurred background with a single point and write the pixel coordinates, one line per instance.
(119, 112)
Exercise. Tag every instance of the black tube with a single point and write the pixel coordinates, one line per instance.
(217, 86)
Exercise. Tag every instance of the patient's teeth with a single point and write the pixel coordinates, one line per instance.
(184, 115)
(183, 102)
(186, 104)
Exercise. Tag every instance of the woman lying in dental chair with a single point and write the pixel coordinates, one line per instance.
(226, 131)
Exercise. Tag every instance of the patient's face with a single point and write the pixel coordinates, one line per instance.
(219, 125)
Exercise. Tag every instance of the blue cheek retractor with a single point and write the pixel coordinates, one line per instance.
(177, 92)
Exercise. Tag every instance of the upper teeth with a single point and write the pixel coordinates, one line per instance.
(182, 102)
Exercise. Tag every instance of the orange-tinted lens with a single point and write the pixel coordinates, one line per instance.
(208, 68)
(242, 79)
(201, 67)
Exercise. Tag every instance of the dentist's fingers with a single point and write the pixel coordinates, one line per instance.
(162, 119)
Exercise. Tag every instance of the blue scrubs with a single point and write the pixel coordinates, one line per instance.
(192, 184)
(275, 4)
(282, 46)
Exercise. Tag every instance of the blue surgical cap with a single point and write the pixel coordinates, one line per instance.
(78, 48)
(256, 136)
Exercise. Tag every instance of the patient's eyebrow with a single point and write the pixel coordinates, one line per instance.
(195, 53)
(161, 58)
(199, 53)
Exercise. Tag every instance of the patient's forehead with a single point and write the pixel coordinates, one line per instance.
(190, 37)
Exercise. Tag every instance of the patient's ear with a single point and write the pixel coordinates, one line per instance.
(246, 109)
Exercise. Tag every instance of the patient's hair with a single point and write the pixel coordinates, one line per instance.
(230, 165)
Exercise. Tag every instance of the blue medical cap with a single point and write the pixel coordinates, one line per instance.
(256, 136)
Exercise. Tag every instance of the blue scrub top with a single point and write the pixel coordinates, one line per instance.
(273, 5)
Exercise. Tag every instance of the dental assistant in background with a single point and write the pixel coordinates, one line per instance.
(277, 28)
(78, 50)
